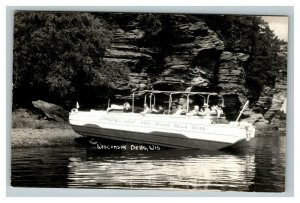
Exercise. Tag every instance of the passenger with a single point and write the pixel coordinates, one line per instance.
(184, 109)
(179, 110)
(194, 112)
(219, 111)
(126, 107)
(146, 109)
(206, 111)
(214, 110)
(173, 108)
(160, 109)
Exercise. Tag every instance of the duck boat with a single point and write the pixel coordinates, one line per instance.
(167, 130)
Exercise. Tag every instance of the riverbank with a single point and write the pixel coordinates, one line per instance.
(30, 130)
(28, 137)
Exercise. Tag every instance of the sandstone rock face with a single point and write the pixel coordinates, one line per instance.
(195, 61)
(231, 73)
(265, 100)
(195, 55)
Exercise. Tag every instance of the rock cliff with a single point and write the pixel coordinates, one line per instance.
(196, 60)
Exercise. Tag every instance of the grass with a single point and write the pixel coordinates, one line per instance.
(30, 130)
(22, 118)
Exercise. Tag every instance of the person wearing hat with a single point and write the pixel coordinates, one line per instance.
(205, 111)
(194, 112)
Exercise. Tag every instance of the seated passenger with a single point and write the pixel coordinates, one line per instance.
(219, 111)
(194, 112)
(146, 109)
(205, 111)
(173, 108)
(160, 109)
(126, 107)
(214, 109)
(184, 109)
(179, 110)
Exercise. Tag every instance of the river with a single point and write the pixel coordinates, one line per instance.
(259, 167)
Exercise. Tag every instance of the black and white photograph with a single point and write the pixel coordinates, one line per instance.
(149, 101)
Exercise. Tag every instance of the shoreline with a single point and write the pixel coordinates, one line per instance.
(29, 137)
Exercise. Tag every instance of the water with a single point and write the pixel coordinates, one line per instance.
(259, 167)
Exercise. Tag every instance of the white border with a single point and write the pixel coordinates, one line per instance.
(128, 2)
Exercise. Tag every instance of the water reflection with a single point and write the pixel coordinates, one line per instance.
(260, 167)
(169, 169)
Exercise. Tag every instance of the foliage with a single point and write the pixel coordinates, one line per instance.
(58, 56)
(251, 35)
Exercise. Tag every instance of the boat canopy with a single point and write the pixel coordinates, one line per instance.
(174, 92)
(152, 93)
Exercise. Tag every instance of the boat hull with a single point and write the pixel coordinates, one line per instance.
(165, 131)
(154, 138)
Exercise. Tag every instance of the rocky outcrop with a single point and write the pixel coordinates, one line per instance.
(231, 72)
(194, 59)
(51, 111)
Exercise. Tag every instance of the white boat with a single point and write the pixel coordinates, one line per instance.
(166, 130)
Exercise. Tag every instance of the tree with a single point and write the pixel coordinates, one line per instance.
(58, 56)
